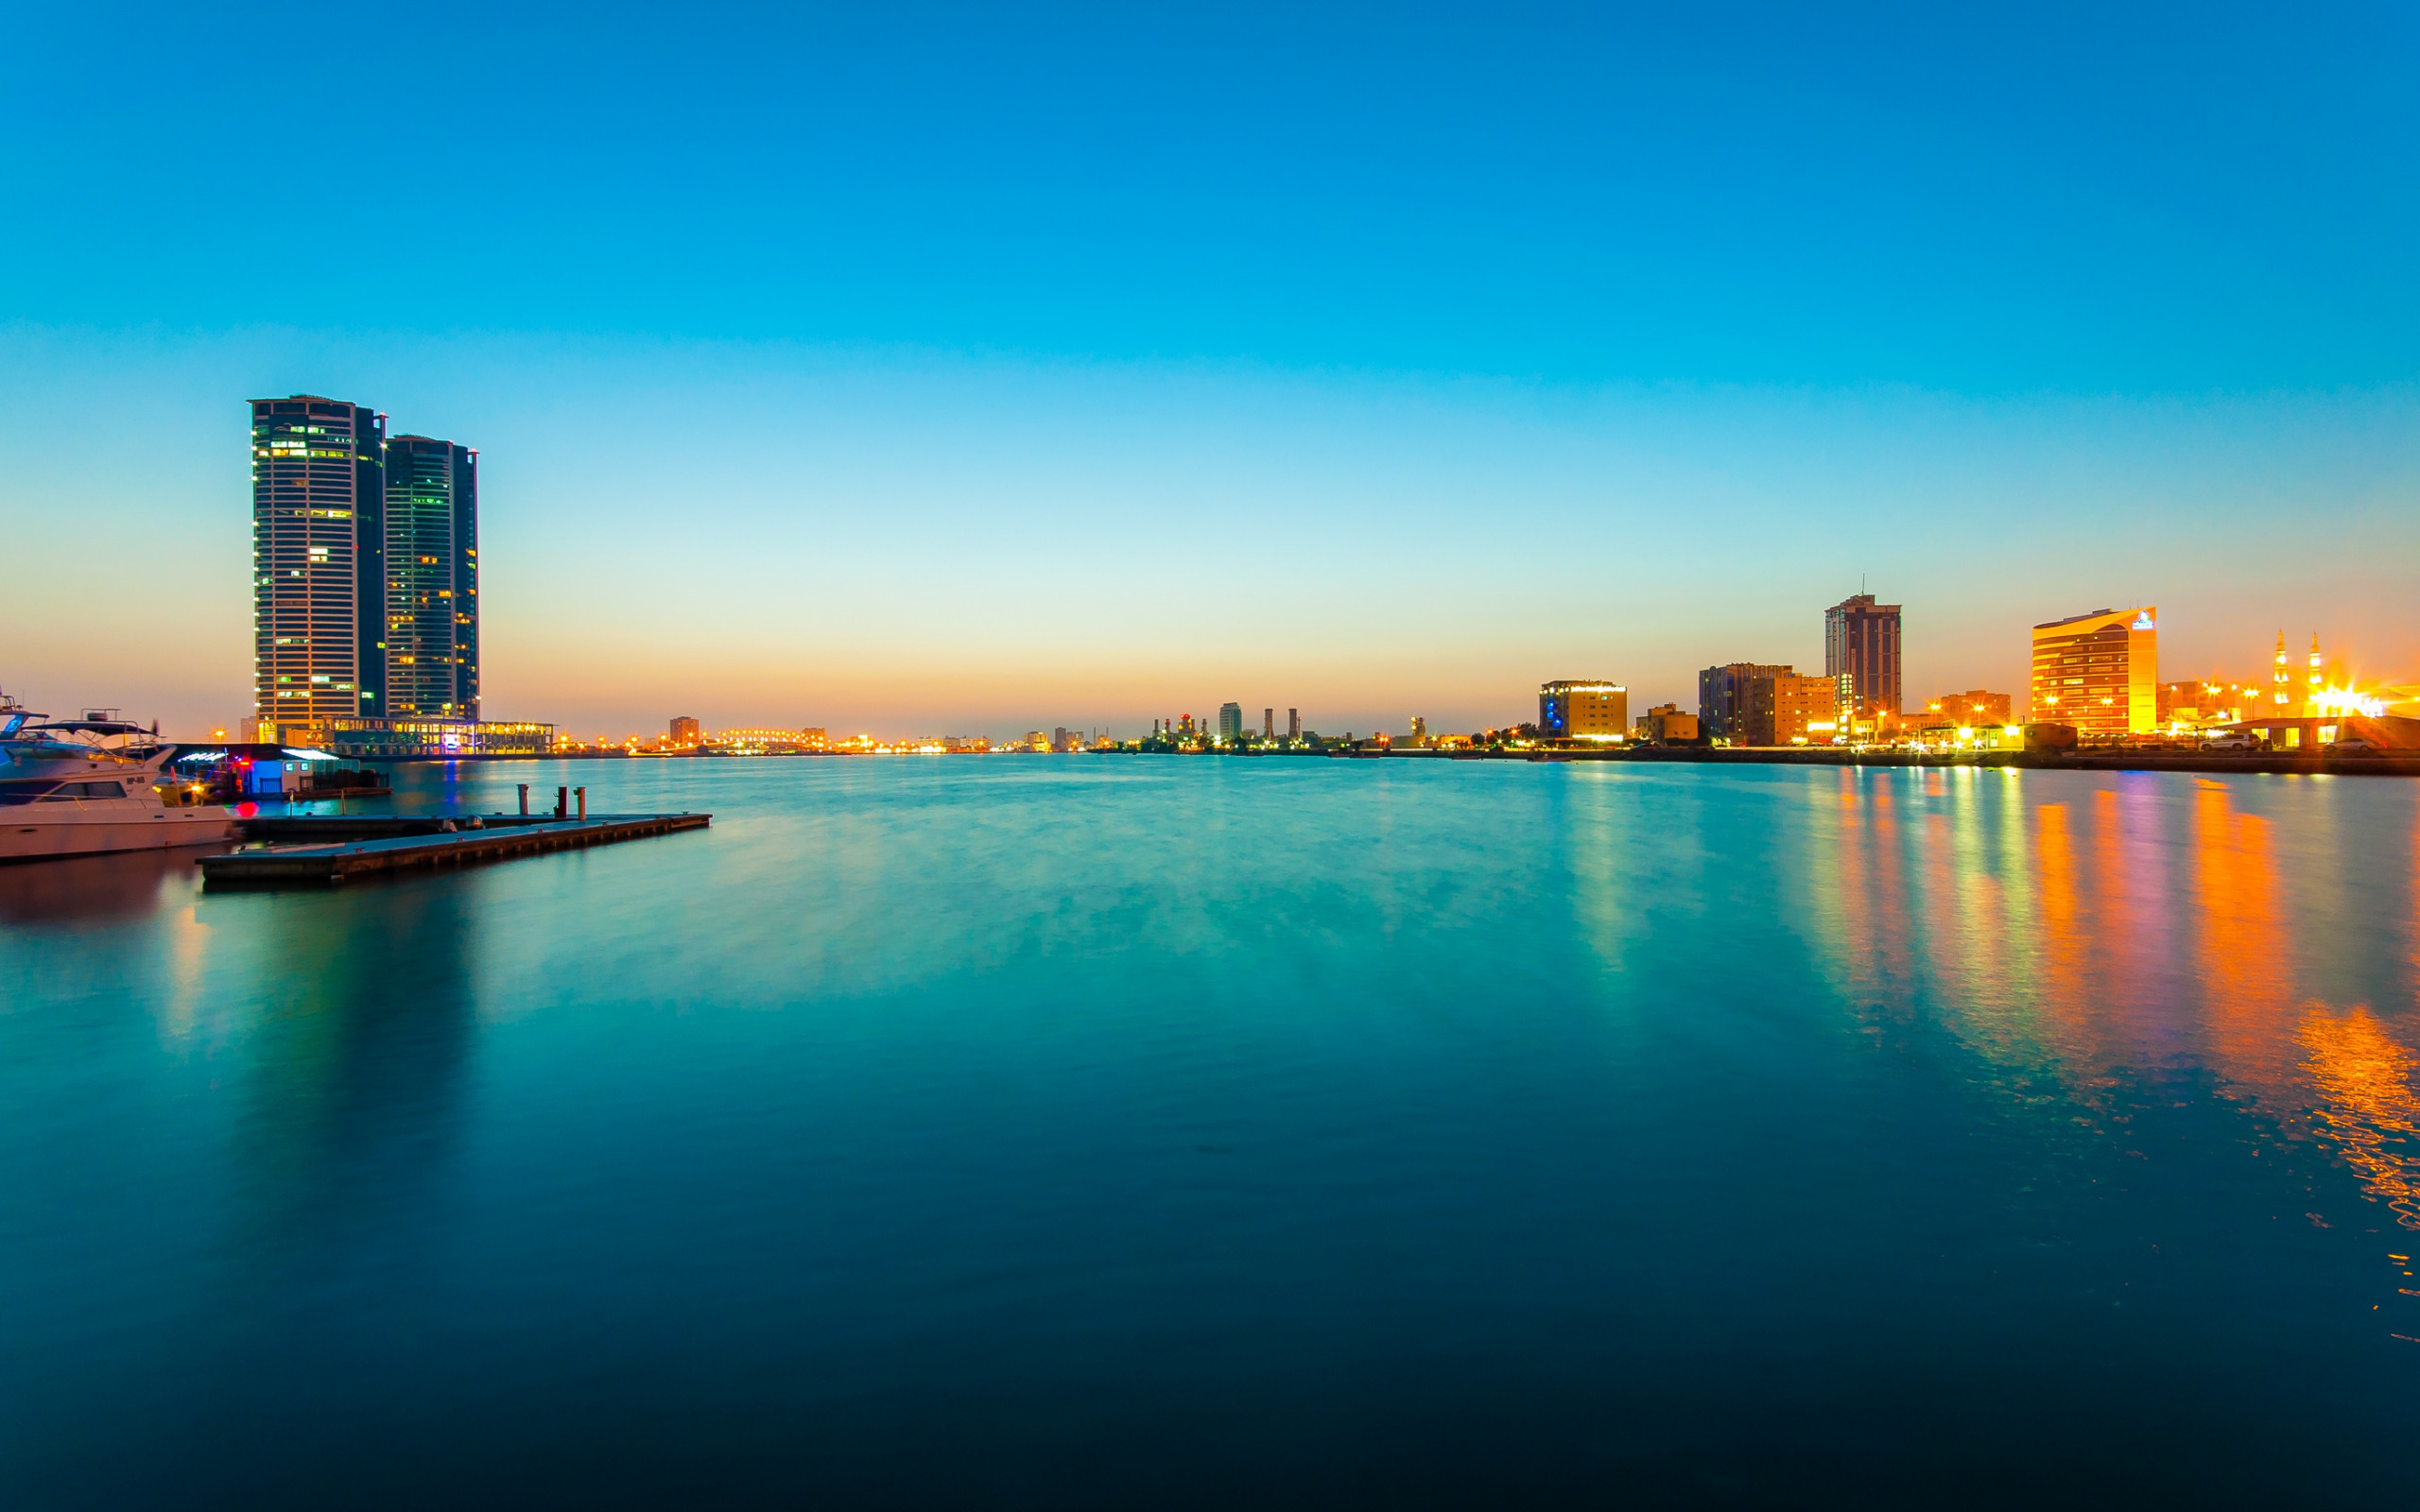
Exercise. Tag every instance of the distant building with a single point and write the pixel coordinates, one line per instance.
(1269, 724)
(432, 629)
(403, 739)
(1785, 709)
(1231, 721)
(1722, 697)
(685, 731)
(2099, 672)
(318, 560)
(1063, 739)
(1667, 725)
(1584, 710)
(1419, 730)
(1971, 709)
(1293, 724)
(1666, 721)
(1861, 645)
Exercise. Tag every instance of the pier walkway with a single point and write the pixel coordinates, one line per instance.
(357, 846)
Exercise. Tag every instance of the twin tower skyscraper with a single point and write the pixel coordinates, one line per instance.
(365, 568)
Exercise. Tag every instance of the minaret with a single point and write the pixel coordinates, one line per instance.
(2318, 680)
(2280, 680)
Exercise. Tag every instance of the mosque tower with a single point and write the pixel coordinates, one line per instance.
(2281, 680)
(2318, 678)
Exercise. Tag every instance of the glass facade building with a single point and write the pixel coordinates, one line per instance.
(319, 558)
(432, 602)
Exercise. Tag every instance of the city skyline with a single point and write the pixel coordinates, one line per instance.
(1292, 383)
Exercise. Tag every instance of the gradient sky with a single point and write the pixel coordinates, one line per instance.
(948, 370)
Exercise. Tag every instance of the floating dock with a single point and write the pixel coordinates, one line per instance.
(357, 846)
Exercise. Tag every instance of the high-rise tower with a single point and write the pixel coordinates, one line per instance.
(1861, 650)
(432, 635)
(319, 558)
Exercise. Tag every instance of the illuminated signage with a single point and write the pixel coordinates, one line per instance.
(2142, 621)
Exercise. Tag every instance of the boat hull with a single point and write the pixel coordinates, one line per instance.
(90, 833)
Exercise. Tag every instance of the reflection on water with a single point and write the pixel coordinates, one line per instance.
(1410, 1125)
(95, 889)
(2135, 930)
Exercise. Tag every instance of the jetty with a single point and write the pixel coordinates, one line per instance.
(322, 850)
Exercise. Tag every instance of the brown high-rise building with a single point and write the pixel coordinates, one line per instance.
(1861, 648)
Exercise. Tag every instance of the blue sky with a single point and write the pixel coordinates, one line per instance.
(944, 369)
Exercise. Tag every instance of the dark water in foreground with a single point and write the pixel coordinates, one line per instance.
(1162, 1131)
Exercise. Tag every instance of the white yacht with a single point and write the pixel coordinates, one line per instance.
(79, 787)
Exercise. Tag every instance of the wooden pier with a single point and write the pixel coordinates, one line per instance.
(338, 846)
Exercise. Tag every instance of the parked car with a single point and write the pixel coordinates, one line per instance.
(2234, 740)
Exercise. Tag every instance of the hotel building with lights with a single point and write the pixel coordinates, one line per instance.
(1861, 652)
(2099, 672)
(432, 640)
(318, 560)
(365, 587)
(1584, 710)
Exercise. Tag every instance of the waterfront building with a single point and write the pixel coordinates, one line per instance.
(1666, 725)
(1419, 730)
(1583, 710)
(318, 560)
(685, 731)
(1785, 708)
(1973, 709)
(1293, 724)
(1231, 721)
(432, 589)
(2099, 672)
(1269, 724)
(1722, 697)
(419, 739)
(1862, 647)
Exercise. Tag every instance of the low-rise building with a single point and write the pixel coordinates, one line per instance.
(1970, 710)
(1588, 710)
(1666, 725)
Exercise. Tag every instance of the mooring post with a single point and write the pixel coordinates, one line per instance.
(562, 802)
(583, 801)
(524, 801)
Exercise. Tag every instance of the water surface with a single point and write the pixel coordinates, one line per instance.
(1169, 1131)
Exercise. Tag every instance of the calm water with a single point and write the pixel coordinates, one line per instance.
(1158, 1131)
